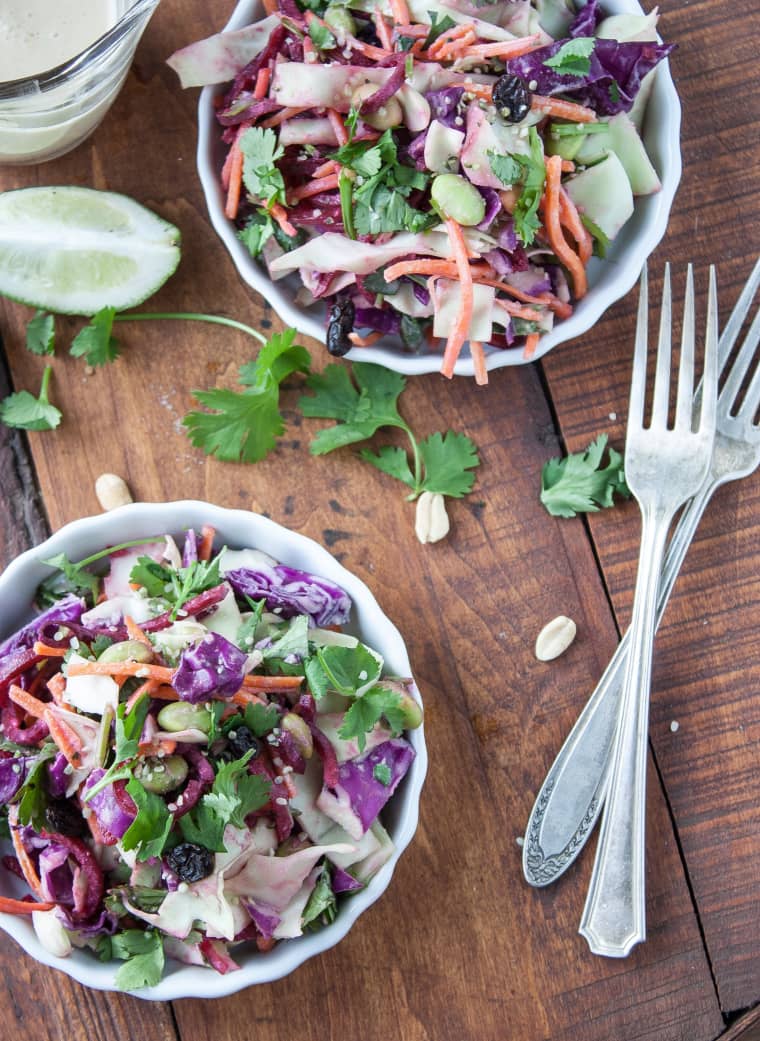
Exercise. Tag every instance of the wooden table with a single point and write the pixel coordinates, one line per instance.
(459, 948)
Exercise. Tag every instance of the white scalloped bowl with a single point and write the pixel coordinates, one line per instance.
(609, 279)
(237, 529)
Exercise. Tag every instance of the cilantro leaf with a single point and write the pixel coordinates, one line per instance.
(258, 229)
(40, 334)
(573, 57)
(382, 773)
(316, 677)
(246, 634)
(245, 425)
(438, 26)
(361, 410)
(322, 906)
(531, 175)
(295, 640)
(94, 342)
(25, 412)
(449, 460)
(234, 794)
(152, 576)
(579, 483)
(128, 728)
(506, 168)
(367, 710)
(321, 36)
(33, 797)
(177, 585)
(150, 829)
(143, 955)
(261, 719)
(393, 461)
(348, 669)
(73, 578)
(261, 177)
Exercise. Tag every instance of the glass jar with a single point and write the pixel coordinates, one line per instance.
(46, 115)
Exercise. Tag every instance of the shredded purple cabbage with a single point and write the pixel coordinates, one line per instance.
(289, 592)
(357, 779)
(444, 105)
(342, 882)
(586, 21)
(58, 779)
(108, 810)
(68, 609)
(378, 318)
(493, 207)
(213, 667)
(12, 775)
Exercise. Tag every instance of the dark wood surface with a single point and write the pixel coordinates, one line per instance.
(459, 948)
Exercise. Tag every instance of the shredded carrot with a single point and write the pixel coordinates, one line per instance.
(149, 688)
(365, 341)
(383, 32)
(244, 697)
(9, 906)
(236, 182)
(48, 652)
(206, 546)
(279, 213)
(400, 11)
(458, 48)
(368, 49)
(309, 52)
(57, 685)
(320, 184)
(339, 127)
(156, 747)
(557, 240)
(571, 219)
(520, 311)
(326, 168)
(562, 109)
(135, 632)
(268, 683)
(33, 706)
(479, 362)
(262, 83)
(531, 342)
(505, 48)
(283, 115)
(163, 674)
(420, 267)
(456, 32)
(271, 6)
(461, 328)
(67, 740)
(25, 861)
(568, 166)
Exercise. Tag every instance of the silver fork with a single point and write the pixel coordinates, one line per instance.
(663, 469)
(570, 799)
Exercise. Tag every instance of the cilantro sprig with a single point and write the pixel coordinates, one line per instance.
(235, 793)
(74, 577)
(177, 585)
(442, 463)
(25, 412)
(244, 425)
(573, 58)
(580, 484)
(261, 176)
(530, 172)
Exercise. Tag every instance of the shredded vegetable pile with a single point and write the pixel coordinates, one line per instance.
(439, 173)
(193, 755)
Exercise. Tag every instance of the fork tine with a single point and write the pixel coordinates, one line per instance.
(738, 371)
(707, 413)
(639, 374)
(752, 397)
(662, 375)
(741, 309)
(686, 364)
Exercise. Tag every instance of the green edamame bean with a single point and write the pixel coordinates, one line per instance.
(390, 114)
(340, 19)
(127, 650)
(411, 711)
(161, 775)
(455, 197)
(180, 715)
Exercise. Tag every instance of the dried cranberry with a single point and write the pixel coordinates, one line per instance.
(511, 98)
(239, 741)
(65, 818)
(342, 316)
(190, 862)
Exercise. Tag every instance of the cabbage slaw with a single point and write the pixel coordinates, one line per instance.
(310, 102)
(194, 756)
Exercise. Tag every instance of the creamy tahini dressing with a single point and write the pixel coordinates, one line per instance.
(37, 35)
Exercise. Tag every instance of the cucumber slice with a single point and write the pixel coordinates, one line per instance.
(76, 250)
(604, 194)
(622, 138)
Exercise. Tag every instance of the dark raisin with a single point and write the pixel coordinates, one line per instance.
(65, 818)
(342, 315)
(239, 741)
(190, 862)
(511, 98)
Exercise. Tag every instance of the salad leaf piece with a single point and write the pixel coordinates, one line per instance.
(25, 412)
(244, 425)
(94, 342)
(321, 36)
(506, 168)
(75, 578)
(580, 484)
(128, 728)
(368, 710)
(572, 59)
(150, 829)
(40, 334)
(449, 460)
(348, 669)
(258, 230)
(33, 794)
(530, 172)
(322, 905)
(295, 640)
(177, 585)
(261, 177)
(391, 460)
(246, 634)
(235, 794)
(261, 719)
(382, 773)
(439, 24)
(143, 956)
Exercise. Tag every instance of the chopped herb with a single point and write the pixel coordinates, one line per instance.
(143, 956)
(367, 710)
(150, 829)
(235, 794)
(261, 177)
(94, 342)
(438, 26)
(40, 334)
(321, 36)
(573, 57)
(382, 773)
(32, 796)
(579, 483)
(258, 229)
(322, 905)
(25, 412)
(176, 585)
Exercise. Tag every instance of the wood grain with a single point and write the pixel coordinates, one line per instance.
(459, 948)
(705, 675)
